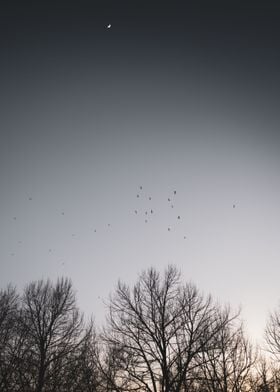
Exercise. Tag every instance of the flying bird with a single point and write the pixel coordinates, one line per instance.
(150, 198)
(109, 26)
(137, 195)
(152, 211)
(174, 192)
(178, 217)
(168, 229)
(135, 211)
(140, 187)
(168, 199)
(233, 206)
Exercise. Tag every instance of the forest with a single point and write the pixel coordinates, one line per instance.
(161, 335)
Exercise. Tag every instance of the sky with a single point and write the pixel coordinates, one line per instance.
(149, 142)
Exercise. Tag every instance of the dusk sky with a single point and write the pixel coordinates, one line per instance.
(168, 98)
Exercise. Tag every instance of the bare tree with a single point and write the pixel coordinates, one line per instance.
(272, 337)
(8, 317)
(272, 334)
(229, 359)
(80, 372)
(262, 378)
(51, 327)
(158, 331)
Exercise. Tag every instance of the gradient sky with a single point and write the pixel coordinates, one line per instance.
(169, 98)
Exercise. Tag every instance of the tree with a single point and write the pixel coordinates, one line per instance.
(158, 331)
(272, 334)
(51, 327)
(272, 337)
(80, 372)
(262, 378)
(8, 317)
(228, 361)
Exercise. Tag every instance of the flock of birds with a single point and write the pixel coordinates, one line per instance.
(146, 213)
(149, 212)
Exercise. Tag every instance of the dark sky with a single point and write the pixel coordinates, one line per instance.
(174, 96)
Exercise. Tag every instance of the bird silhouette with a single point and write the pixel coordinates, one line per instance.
(170, 200)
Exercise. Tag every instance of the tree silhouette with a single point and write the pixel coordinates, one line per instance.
(52, 326)
(158, 330)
